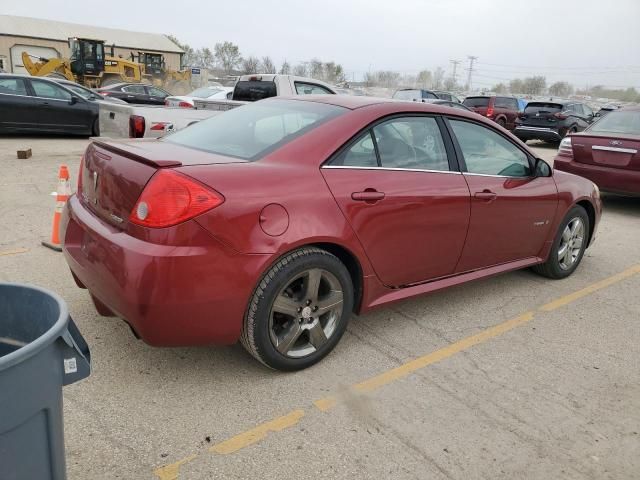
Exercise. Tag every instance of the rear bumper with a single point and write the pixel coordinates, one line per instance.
(170, 295)
(608, 179)
(537, 133)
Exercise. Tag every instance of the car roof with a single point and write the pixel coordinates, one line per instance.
(347, 101)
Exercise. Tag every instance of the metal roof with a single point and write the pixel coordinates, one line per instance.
(53, 30)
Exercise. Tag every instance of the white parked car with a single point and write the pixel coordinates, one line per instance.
(211, 92)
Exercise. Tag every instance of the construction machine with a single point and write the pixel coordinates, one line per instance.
(156, 69)
(87, 65)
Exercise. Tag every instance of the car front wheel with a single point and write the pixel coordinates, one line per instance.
(299, 310)
(568, 247)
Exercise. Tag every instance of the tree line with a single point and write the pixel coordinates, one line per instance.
(226, 56)
(537, 85)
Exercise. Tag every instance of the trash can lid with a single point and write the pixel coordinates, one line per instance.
(57, 330)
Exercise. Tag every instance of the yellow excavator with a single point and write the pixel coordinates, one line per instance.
(156, 69)
(87, 65)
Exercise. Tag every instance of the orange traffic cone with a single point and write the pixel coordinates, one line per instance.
(62, 195)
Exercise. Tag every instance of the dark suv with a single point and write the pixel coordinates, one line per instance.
(501, 109)
(551, 121)
(419, 94)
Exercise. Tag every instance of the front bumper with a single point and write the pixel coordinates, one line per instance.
(608, 179)
(171, 295)
(547, 134)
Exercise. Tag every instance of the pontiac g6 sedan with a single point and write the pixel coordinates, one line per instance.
(274, 222)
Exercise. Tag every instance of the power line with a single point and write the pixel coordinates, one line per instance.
(608, 67)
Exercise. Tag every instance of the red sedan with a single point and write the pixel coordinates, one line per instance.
(272, 223)
(607, 152)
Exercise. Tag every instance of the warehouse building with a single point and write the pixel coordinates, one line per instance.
(49, 39)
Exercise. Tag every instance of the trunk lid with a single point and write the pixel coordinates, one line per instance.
(541, 114)
(115, 172)
(616, 151)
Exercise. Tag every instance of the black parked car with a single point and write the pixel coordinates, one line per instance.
(420, 94)
(40, 105)
(135, 93)
(551, 121)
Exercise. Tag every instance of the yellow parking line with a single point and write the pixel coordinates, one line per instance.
(594, 287)
(258, 433)
(14, 251)
(242, 440)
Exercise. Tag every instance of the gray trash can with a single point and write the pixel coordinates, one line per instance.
(41, 350)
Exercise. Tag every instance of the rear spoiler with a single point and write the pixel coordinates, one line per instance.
(128, 151)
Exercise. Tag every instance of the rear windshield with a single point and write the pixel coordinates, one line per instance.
(250, 91)
(618, 122)
(408, 95)
(251, 131)
(543, 107)
(476, 102)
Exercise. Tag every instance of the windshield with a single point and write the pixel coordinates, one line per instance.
(204, 92)
(408, 95)
(476, 102)
(626, 122)
(252, 131)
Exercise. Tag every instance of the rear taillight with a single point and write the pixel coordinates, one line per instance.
(171, 198)
(490, 112)
(566, 149)
(166, 103)
(80, 171)
(105, 94)
(136, 126)
(560, 116)
(185, 105)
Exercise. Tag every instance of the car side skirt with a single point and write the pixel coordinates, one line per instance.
(377, 295)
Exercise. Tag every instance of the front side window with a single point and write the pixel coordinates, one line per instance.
(310, 89)
(157, 92)
(489, 153)
(49, 90)
(587, 111)
(251, 131)
(137, 89)
(12, 86)
(408, 95)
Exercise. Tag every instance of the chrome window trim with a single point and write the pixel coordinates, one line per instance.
(498, 176)
(347, 167)
(535, 129)
(615, 149)
(38, 98)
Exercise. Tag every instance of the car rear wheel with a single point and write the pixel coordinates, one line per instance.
(299, 311)
(501, 122)
(568, 247)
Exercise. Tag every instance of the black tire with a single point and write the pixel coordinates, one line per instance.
(553, 267)
(257, 328)
(95, 128)
(502, 123)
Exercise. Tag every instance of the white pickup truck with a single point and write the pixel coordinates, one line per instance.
(137, 121)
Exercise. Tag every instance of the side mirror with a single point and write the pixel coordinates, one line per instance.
(542, 168)
(73, 100)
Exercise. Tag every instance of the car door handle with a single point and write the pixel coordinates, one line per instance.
(486, 195)
(131, 96)
(369, 196)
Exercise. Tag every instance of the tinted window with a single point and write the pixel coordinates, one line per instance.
(408, 95)
(620, 121)
(514, 104)
(361, 154)
(13, 86)
(251, 131)
(444, 96)
(502, 102)
(489, 153)
(137, 89)
(540, 107)
(577, 108)
(49, 90)
(476, 102)
(587, 111)
(250, 91)
(310, 89)
(156, 92)
(411, 142)
(426, 94)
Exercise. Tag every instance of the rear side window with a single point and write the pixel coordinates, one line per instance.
(253, 90)
(540, 107)
(251, 131)
(13, 86)
(138, 89)
(506, 102)
(49, 90)
(489, 153)
(310, 89)
(476, 102)
(362, 153)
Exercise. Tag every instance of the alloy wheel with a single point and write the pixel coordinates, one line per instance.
(571, 243)
(305, 313)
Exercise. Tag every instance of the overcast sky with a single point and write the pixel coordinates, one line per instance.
(581, 41)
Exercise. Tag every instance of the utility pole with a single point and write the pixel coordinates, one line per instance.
(455, 64)
(470, 70)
